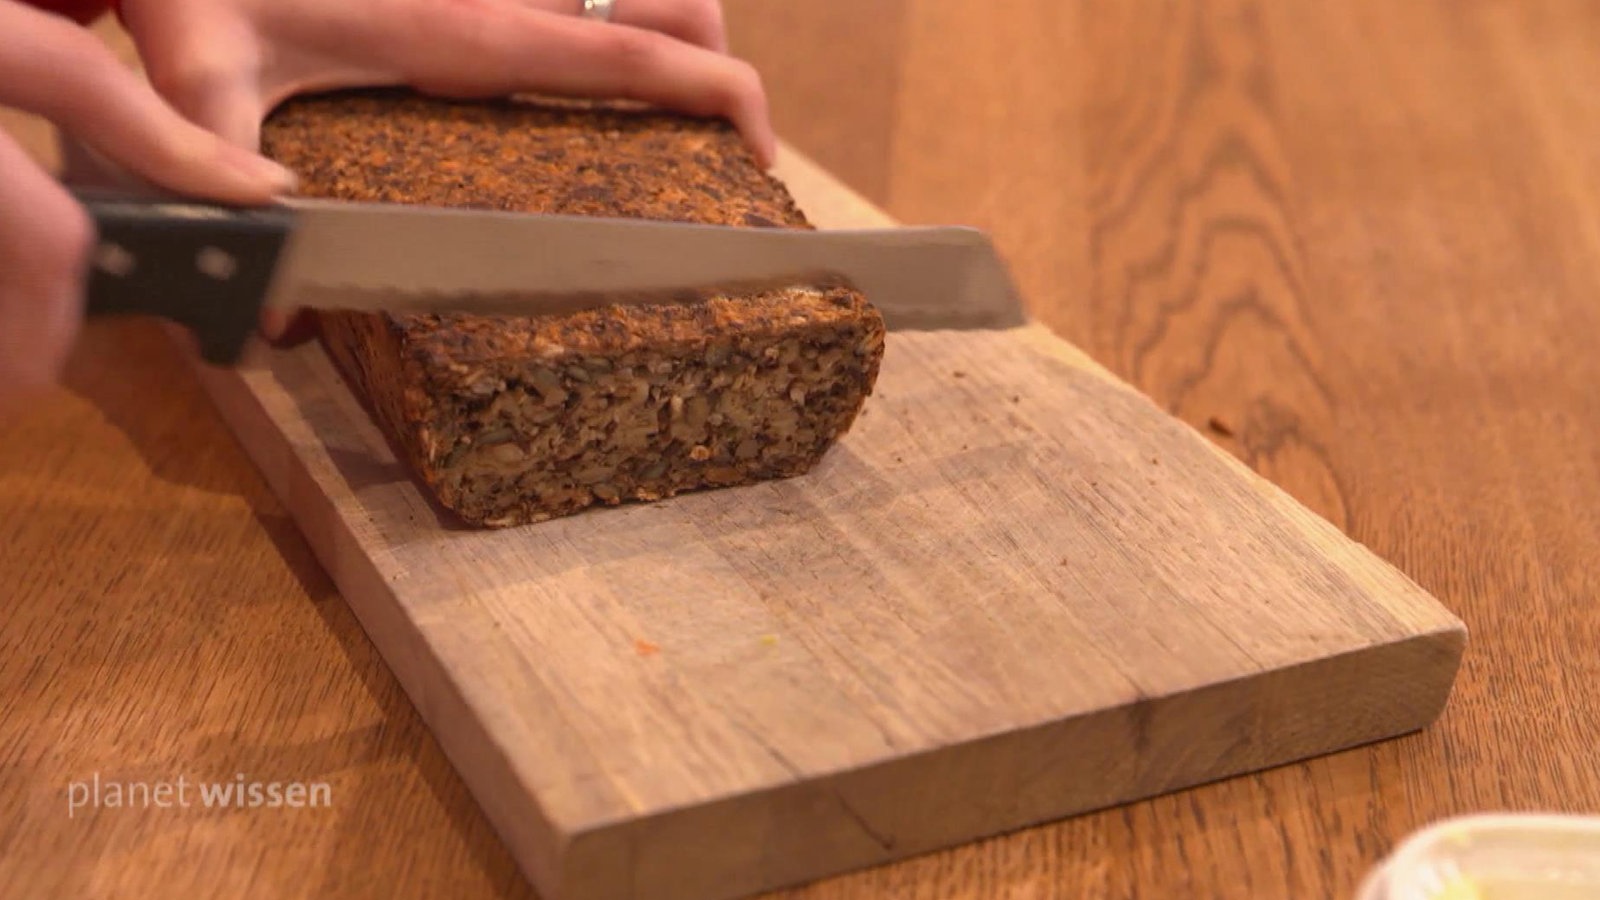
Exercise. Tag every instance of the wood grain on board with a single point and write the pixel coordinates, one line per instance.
(1015, 591)
(1426, 168)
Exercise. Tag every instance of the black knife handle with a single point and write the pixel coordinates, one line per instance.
(206, 267)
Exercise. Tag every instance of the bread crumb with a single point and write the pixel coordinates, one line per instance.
(645, 648)
(1219, 426)
(958, 374)
(769, 640)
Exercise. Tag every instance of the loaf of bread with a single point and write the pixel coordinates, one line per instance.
(517, 420)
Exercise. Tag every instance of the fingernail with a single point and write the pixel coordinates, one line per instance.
(273, 324)
(296, 328)
(260, 169)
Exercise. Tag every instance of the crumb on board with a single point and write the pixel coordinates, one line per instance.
(1220, 427)
(958, 374)
(645, 648)
(1154, 461)
(1016, 398)
(769, 640)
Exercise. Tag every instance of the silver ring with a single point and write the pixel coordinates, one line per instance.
(598, 9)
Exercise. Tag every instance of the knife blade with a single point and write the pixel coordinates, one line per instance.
(213, 268)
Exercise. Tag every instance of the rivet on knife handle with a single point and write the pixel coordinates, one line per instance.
(205, 267)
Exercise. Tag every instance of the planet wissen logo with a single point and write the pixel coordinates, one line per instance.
(183, 792)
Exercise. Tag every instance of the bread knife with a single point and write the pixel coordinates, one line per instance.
(213, 268)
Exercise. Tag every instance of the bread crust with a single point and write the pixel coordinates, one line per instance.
(511, 420)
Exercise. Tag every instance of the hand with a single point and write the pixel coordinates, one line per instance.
(51, 67)
(227, 63)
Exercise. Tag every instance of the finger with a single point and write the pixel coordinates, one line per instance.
(227, 103)
(496, 47)
(288, 329)
(275, 323)
(56, 69)
(83, 167)
(205, 60)
(527, 50)
(206, 66)
(697, 22)
(202, 73)
(231, 106)
(44, 241)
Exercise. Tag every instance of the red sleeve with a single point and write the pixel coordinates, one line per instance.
(84, 11)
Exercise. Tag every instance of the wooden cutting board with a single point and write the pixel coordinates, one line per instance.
(1016, 591)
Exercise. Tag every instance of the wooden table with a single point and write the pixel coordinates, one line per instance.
(1358, 242)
